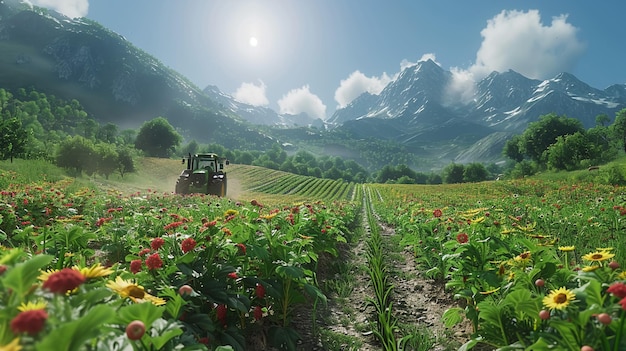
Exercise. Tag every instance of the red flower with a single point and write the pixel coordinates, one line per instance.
(188, 245)
(221, 314)
(64, 280)
(242, 248)
(204, 341)
(462, 238)
(3, 269)
(260, 291)
(31, 322)
(233, 275)
(144, 252)
(618, 290)
(437, 213)
(258, 313)
(154, 261)
(157, 243)
(623, 303)
(135, 266)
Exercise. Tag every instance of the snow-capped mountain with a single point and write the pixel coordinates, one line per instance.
(418, 110)
(505, 101)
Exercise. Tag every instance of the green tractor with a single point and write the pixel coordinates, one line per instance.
(204, 174)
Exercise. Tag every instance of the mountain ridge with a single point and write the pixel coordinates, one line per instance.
(116, 82)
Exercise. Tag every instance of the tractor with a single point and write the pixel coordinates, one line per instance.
(204, 174)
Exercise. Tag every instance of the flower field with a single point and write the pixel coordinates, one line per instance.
(85, 269)
(534, 265)
(531, 264)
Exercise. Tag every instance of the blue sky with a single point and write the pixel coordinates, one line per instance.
(314, 56)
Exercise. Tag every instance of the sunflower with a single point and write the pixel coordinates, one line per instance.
(558, 299)
(30, 306)
(567, 248)
(136, 293)
(598, 256)
(95, 271)
(524, 257)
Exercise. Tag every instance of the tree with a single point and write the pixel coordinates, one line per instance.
(544, 132)
(475, 172)
(77, 154)
(157, 138)
(619, 127)
(13, 138)
(453, 173)
(512, 148)
(125, 162)
(107, 159)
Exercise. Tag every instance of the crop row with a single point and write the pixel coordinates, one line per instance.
(262, 180)
(535, 265)
(83, 269)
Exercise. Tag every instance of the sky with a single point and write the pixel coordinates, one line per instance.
(316, 56)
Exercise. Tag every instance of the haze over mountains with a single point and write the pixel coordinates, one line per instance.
(420, 111)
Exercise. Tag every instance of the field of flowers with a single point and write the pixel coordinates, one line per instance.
(86, 269)
(534, 265)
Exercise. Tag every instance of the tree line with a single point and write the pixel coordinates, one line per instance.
(36, 125)
(561, 143)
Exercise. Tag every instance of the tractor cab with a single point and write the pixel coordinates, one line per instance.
(204, 174)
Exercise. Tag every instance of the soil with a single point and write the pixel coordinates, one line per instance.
(418, 301)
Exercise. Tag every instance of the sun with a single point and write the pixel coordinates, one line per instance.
(254, 41)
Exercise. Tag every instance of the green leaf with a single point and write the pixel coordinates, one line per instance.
(74, 335)
(452, 316)
(523, 303)
(312, 290)
(145, 312)
(290, 272)
(21, 277)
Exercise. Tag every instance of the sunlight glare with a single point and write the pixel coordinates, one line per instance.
(253, 41)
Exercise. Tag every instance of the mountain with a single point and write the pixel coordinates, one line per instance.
(418, 110)
(113, 80)
(418, 115)
(259, 115)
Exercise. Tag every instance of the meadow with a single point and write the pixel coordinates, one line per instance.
(125, 264)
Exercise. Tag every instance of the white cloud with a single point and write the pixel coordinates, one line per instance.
(252, 94)
(425, 57)
(520, 41)
(70, 8)
(358, 83)
(301, 100)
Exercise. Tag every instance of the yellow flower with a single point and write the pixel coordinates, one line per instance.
(567, 248)
(558, 299)
(622, 276)
(14, 345)
(31, 306)
(95, 271)
(231, 212)
(45, 274)
(598, 256)
(524, 257)
(478, 220)
(590, 268)
(128, 289)
(489, 292)
(269, 216)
